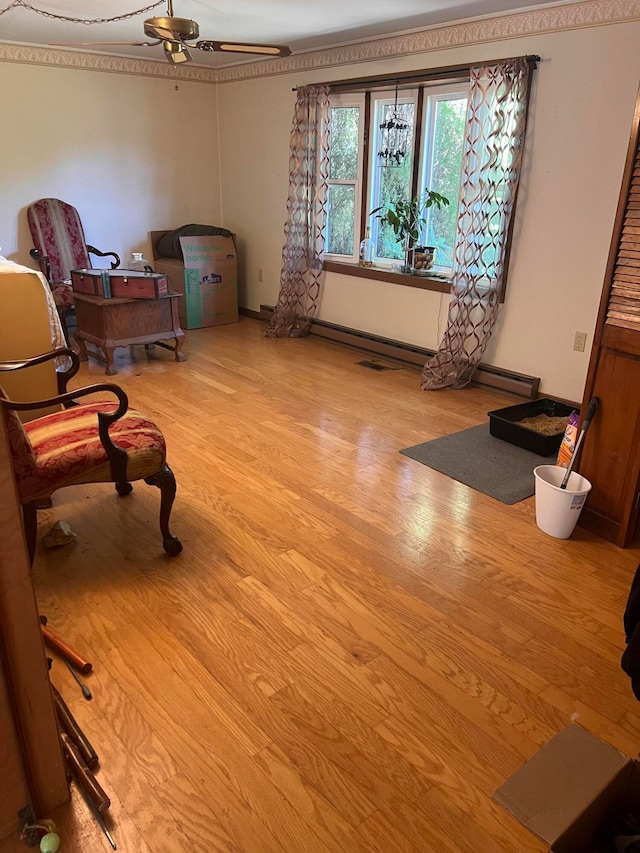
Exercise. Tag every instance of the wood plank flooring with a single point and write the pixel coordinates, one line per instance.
(353, 650)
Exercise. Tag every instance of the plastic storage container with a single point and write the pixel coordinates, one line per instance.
(503, 423)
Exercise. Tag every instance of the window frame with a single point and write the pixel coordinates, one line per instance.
(373, 173)
(352, 99)
(435, 94)
(421, 90)
(420, 78)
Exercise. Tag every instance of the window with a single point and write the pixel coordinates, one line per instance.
(388, 183)
(359, 182)
(344, 194)
(441, 168)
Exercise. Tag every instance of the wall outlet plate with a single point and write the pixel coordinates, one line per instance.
(580, 341)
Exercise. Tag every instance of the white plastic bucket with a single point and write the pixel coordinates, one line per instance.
(558, 510)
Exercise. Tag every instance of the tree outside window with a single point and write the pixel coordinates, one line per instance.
(343, 180)
(439, 159)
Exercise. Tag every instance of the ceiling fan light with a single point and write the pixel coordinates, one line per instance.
(176, 53)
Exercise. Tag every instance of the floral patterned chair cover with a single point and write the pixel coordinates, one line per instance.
(60, 246)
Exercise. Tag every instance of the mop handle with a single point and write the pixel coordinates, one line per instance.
(592, 408)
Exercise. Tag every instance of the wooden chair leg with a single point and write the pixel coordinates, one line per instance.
(30, 521)
(124, 489)
(166, 482)
(62, 313)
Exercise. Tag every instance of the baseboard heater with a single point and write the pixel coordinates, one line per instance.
(412, 356)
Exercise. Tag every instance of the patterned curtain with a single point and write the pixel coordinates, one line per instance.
(491, 160)
(306, 215)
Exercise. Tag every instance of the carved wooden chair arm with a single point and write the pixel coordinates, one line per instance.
(114, 264)
(63, 374)
(116, 455)
(43, 261)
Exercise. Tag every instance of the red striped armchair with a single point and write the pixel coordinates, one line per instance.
(97, 442)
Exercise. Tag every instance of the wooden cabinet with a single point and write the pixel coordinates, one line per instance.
(611, 456)
(112, 323)
(32, 769)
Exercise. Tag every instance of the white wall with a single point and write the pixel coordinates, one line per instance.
(581, 112)
(132, 154)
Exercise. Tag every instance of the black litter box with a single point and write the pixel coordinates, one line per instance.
(503, 423)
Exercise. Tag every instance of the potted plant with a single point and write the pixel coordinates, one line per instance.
(408, 218)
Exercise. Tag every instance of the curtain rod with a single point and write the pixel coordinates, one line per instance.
(416, 76)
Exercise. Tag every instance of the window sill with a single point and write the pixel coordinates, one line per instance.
(440, 285)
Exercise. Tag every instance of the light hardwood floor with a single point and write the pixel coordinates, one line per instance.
(353, 651)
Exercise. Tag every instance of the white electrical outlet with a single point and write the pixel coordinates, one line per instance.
(580, 341)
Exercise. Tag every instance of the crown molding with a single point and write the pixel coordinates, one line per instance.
(38, 55)
(588, 13)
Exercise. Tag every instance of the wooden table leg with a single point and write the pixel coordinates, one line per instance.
(180, 356)
(82, 347)
(108, 349)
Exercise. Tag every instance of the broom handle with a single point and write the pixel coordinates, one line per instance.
(592, 408)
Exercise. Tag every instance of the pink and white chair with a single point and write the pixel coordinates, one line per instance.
(60, 247)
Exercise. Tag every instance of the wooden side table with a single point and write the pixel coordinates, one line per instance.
(111, 323)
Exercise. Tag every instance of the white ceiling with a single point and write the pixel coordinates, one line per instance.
(301, 24)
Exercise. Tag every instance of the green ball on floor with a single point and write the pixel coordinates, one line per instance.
(50, 843)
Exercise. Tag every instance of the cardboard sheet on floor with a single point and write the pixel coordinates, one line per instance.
(570, 788)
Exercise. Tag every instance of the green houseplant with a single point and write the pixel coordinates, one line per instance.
(408, 218)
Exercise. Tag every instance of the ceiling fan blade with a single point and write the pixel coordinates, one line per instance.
(239, 47)
(103, 43)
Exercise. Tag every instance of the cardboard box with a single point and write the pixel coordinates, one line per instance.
(572, 790)
(207, 279)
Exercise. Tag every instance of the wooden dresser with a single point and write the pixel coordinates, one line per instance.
(611, 456)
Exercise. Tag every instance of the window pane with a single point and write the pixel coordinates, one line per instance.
(343, 157)
(341, 208)
(391, 182)
(448, 137)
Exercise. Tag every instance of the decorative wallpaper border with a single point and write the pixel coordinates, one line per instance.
(589, 13)
(39, 55)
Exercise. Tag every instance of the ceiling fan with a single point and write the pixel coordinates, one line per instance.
(176, 35)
